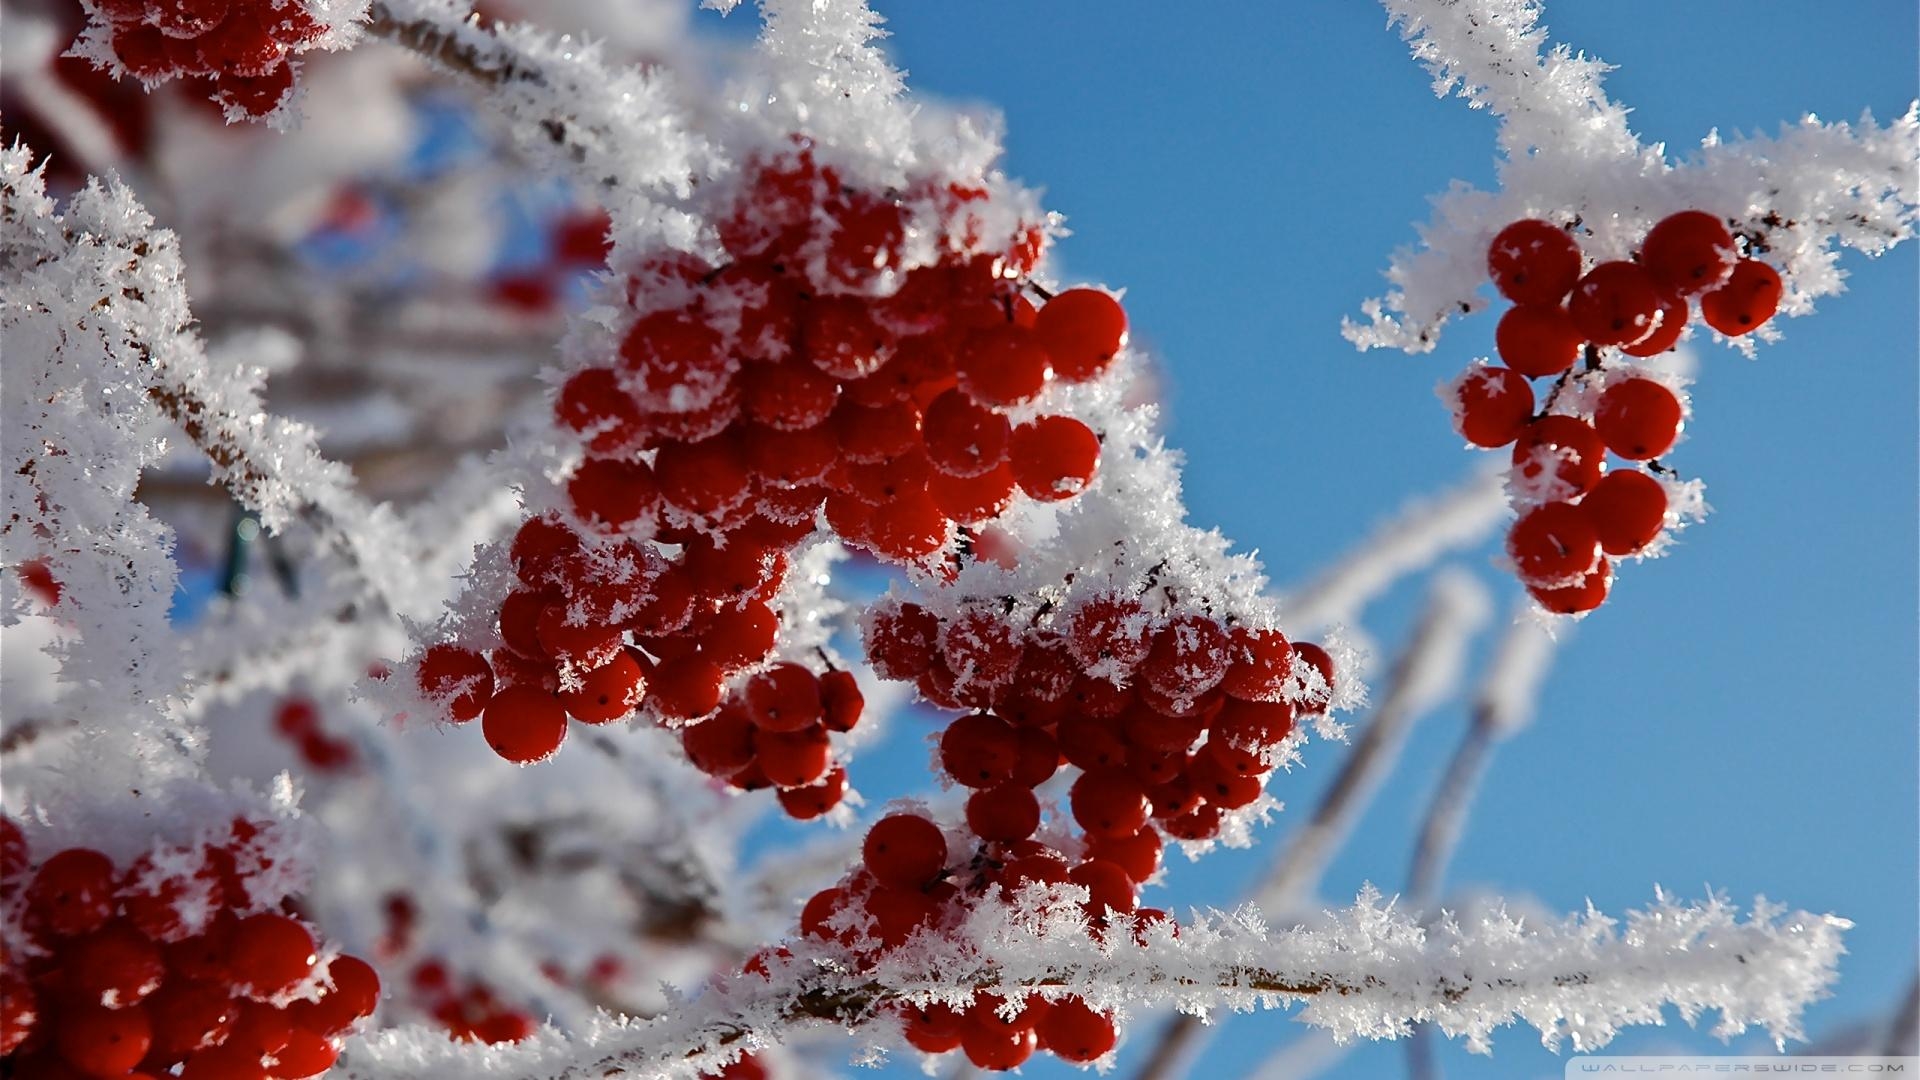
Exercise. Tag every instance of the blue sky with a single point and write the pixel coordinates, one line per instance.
(1742, 714)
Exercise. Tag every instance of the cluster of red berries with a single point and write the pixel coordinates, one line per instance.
(576, 241)
(1172, 719)
(172, 961)
(470, 1013)
(241, 49)
(820, 368)
(297, 720)
(1575, 514)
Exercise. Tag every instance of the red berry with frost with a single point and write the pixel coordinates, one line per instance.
(686, 688)
(979, 750)
(1082, 330)
(72, 893)
(1688, 252)
(973, 500)
(460, 679)
(524, 724)
(1492, 405)
(1538, 339)
(1745, 303)
(907, 527)
(1261, 665)
(900, 640)
(1189, 656)
(608, 692)
(1107, 885)
(740, 636)
(1054, 457)
(189, 1015)
(1558, 457)
(964, 438)
(1007, 812)
(1109, 634)
(613, 493)
(722, 744)
(789, 396)
(270, 953)
(1616, 303)
(1638, 419)
(792, 759)
(998, 1051)
(815, 799)
(102, 1041)
(677, 361)
(1533, 262)
(306, 1054)
(1073, 1032)
(1666, 332)
(1553, 544)
(905, 850)
(593, 403)
(353, 995)
(704, 478)
(114, 966)
(1628, 509)
(838, 336)
(1586, 594)
(875, 433)
(785, 697)
(1138, 854)
(981, 650)
(1315, 669)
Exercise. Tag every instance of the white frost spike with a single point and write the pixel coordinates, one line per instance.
(1568, 154)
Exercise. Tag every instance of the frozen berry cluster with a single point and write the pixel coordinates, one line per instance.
(186, 958)
(470, 1012)
(1585, 327)
(1172, 718)
(241, 50)
(872, 358)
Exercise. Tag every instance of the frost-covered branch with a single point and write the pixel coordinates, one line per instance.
(1367, 971)
(1568, 156)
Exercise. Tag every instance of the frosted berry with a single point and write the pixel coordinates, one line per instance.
(979, 750)
(1315, 667)
(973, 500)
(270, 953)
(1073, 1032)
(1538, 339)
(1054, 457)
(458, 678)
(354, 994)
(1745, 303)
(1627, 509)
(1491, 405)
(907, 527)
(1585, 594)
(1109, 635)
(1558, 457)
(305, 1054)
(1533, 262)
(1553, 544)
(1082, 330)
(72, 893)
(1666, 333)
(524, 724)
(114, 966)
(981, 650)
(608, 692)
(1004, 813)
(1109, 802)
(813, 800)
(1003, 365)
(705, 478)
(785, 697)
(678, 361)
(792, 759)
(1261, 663)
(905, 850)
(686, 688)
(1189, 656)
(593, 403)
(103, 1041)
(900, 640)
(613, 493)
(1638, 419)
(1616, 303)
(789, 396)
(1688, 252)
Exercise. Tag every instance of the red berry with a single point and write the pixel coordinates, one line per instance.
(1219, 779)
(73, 892)
(524, 724)
(973, 500)
(1317, 677)
(1558, 457)
(271, 953)
(1200, 823)
(686, 688)
(1082, 330)
(841, 701)
(869, 434)
(740, 636)
(568, 632)
(1664, 335)
(1109, 802)
(458, 678)
(678, 362)
(613, 493)
(1002, 365)
(1638, 419)
(103, 1041)
(1538, 339)
(1138, 854)
(355, 993)
(189, 18)
(813, 800)
(1108, 887)
(785, 697)
(979, 750)
(792, 759)
(1189, 657)
(705, 479)
(608, 692)
(1491, 405)
(1748, 299)
(114, 966)
(305, 1054)
(1054, 457)
(1628, 509)
(905, 850)
(1109, 635)
(1254, 726)
(543, 550)
(998, 1051)
(821, 909)
(189, 1015)
(224, 1062)
(1004, 813)
(900, 640)
(1089, 743)
(1037, 758)
(789, 396)
(14, 856)
(1073, 1032)
(932, 1029)
(963, 438)
(722, 744)
(241, 45)
(1688, 252)
(1586, 594)
(1261, 665)
(981, 650)
(838, 336)
(907, 527)
(1533, 262)
(898, 913)
(1617, 303)
(260, 1029)
(1553, 544)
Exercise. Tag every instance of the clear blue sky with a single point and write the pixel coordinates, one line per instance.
(1743, 714)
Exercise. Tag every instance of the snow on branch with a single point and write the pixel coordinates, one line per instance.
(1366, 971)
(1569, 157)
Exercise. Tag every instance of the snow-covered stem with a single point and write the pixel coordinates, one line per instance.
(1365, 971)
(1412, 540)
(1424, 674)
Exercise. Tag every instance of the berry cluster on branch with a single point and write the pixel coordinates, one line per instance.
(1575, 516)
(189, 956)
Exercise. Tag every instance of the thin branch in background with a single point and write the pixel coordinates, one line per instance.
(1426, 672)
(1503, 704)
